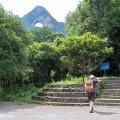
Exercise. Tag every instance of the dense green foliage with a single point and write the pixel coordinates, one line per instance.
(44, 58)
(88, 50)
(13, 41)
(88, 17)
(44, 34)
(21, 60)
(19, 95)
(101, 17)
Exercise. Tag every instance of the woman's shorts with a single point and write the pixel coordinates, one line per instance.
(91, 96)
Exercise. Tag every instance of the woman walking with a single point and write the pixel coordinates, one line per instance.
(90, 88)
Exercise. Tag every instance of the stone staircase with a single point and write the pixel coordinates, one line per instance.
(111, 94)
(64, 95)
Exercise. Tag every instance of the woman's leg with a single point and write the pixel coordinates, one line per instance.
(90, 98)
(91, 106)
(92, 101)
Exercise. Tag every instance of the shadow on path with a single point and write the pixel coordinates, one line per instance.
(104, 113)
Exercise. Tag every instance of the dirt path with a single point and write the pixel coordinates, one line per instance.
(11, 111)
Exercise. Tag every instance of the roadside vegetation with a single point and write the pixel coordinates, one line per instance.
(25, 93)
(18, 95)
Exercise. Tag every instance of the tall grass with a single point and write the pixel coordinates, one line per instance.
(71, 80)
(22, 94)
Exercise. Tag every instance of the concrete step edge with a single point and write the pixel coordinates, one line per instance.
(63, 92)
(64, 88)
(61, 97)
(107, 104)
(107, 99)
(109, 96)
(118, 85)
(66, 85)
(106, 89)
(65, 104)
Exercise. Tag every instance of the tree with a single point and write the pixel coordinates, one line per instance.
(111, 28)
(13, 40)
(44, 59)
(44, 34)
(100, 17)
(87, 17)
(87, 50)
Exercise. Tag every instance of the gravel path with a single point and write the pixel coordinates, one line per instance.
(11, 111)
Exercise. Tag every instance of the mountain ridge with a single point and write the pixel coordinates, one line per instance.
(40, 15)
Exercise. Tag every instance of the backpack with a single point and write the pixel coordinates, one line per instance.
(89, 86)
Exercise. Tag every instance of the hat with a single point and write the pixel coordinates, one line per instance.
(91, 76)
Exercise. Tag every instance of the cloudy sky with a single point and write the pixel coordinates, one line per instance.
(57, 8)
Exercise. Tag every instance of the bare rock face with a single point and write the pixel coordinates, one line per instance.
(40, 15)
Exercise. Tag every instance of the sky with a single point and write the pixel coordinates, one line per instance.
(57, 8)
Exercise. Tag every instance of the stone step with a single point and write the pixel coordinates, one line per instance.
(111, 90)
(111, 93)
(107, 104)
(66, 86)
(65, 104)
(64, 90)
(112, 87)
(63, 94)
(62, 99)
(113, 81)
(114, 78)
(110, 96)
(108, 93)
(105, 100)
(113, 84)
(74, 94)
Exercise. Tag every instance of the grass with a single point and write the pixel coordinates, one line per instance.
(71, 80)
(103, 83)
(18, 95)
